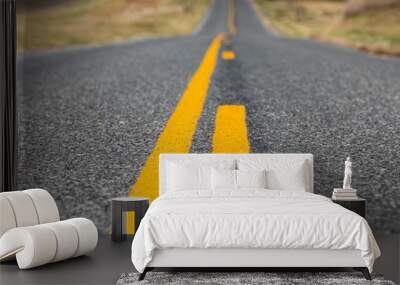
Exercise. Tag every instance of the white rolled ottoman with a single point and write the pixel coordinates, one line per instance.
(31, 232)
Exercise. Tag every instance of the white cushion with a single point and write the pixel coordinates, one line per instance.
(87, 233)
(216, 163)
(7, 218)
(46, 207)
(281, 174)
(26, 208)
(183, 174)
(23, 208)
(251, 178)
(181, 177)
(34, 244)
(67, 240)
(223, 179)
(37, 245)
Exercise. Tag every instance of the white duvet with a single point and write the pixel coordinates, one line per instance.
(250, 219)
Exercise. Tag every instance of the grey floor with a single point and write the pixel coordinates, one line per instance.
(110, 260)
(103, 266)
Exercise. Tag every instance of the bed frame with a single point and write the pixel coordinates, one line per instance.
(242, 259)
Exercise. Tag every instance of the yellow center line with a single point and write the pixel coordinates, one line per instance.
(228, 55)
(230, 133)
(231, 17)
(178, 133)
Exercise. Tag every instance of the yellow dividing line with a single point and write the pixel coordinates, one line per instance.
(230, 133)
(228, 55)
(231, 17)
(181, 126)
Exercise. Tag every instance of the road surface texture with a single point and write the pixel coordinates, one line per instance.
(90, 117)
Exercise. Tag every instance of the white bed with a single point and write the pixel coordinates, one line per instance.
(250, 227)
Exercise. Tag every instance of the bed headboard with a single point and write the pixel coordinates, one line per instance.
(198, 158)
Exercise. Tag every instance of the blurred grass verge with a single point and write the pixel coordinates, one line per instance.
(369, 25)
(49, 24)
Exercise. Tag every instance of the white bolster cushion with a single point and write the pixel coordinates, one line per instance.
(37, 245)
(67, 240)
(23, 208)
(33, 246)
(46, 207)
(87, 235)
(7, 218)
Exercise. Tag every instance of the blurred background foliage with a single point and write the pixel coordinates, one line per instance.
(47, 24)
(370, 25)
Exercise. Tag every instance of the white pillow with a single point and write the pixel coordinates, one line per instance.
(180, 173)
(223, 179)
(281, 174)
(251, 178)
(203, 162)
(183, 177)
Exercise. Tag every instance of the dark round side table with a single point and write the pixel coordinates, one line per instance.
(358, 205)
(119, 206)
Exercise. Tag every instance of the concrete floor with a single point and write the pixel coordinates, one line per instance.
(110, 260)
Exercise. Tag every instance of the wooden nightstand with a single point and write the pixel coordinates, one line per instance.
(358, 205)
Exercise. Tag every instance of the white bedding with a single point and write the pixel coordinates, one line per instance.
(250, 218)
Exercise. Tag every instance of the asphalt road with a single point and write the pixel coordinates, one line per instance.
(90, 117)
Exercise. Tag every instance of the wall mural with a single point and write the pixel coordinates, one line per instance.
(95, 113)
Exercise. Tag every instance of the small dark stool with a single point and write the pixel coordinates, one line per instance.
(358, 205)
(124, 204)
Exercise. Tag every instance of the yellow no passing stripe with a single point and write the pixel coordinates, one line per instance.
(230, 134)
